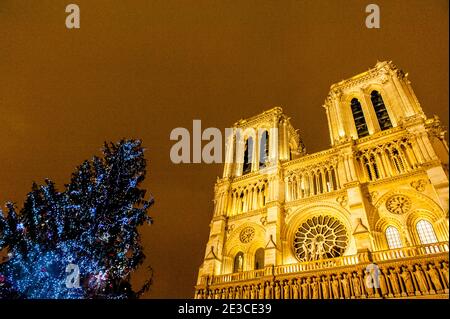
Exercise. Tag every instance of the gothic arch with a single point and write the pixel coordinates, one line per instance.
(430, 216)
(415, 196)
(386, 98)
(348, 113)
(380, 228)
(234, 245)
(422, 207)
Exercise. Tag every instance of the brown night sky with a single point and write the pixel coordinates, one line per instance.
(139, 68)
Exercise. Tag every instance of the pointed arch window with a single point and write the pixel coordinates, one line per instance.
(248, 153)
(393, 238)
(259, 258)
(358, 117)
(380, 110)
(264, 149)
(426, 232)
(238, 264)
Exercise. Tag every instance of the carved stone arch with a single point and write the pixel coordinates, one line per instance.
(234, 244)
(386, 98)
(380, 231)
(429, 216)
(421, 205)
(387, 221)
(413, 195)
(349, 123)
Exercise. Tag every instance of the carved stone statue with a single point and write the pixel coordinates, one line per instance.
(369, 279)
(421, 280)
(356, 285)
(324, 286)
(305, 288)
(253, 292)
(295, 289)
(383, 284)
(238, 292)
(261, 291)
(315, 289)
(231, 293)
(217, 294)
(239, 263)
(277, 291)
(245, 292)
(306, 250)
(268, 290)
(408, 281)
(224, 293)
(345, 286)
(286, 289)
(434, 275)
(335, 287)
(394, 282)
(444, 271)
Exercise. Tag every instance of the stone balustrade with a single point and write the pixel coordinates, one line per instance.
(416, 271)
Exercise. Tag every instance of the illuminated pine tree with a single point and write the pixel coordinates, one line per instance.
(91, 227)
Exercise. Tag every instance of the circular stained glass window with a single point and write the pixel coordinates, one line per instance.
(247, 234)
(320, 237)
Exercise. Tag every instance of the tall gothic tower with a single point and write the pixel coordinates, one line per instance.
(366, 218)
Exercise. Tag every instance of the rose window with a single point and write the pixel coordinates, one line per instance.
(247, 234)
(398, 204)
(320, 237)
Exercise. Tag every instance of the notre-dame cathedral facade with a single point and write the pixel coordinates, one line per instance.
(366, 218)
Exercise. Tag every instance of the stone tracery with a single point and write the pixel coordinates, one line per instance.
(320, 237)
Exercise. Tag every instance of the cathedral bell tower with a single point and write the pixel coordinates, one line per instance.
(251, 186)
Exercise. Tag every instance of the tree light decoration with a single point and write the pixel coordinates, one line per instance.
(92, 224)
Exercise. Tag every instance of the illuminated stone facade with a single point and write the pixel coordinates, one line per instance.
(292, 225)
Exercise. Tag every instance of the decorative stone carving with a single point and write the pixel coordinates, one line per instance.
(398, 204)
(295, 289)
(305, 288)
(247, 235)
(320, 237)
(286, 294)
(324, 287)
(345, 286)
(252, 292)
(287, 212)
(419, 185)
(434, 276)
(230, 228)
(277, 291)
(407, 280)
(342, 200)
(356, 285)
(315, 289)
(373, 196)
(383, 285)
(263, 220)
(444, 271)
(421, 280)
(268, 294)
(335, 287)
(394, 282)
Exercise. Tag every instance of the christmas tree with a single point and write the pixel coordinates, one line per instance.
(82, 242)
